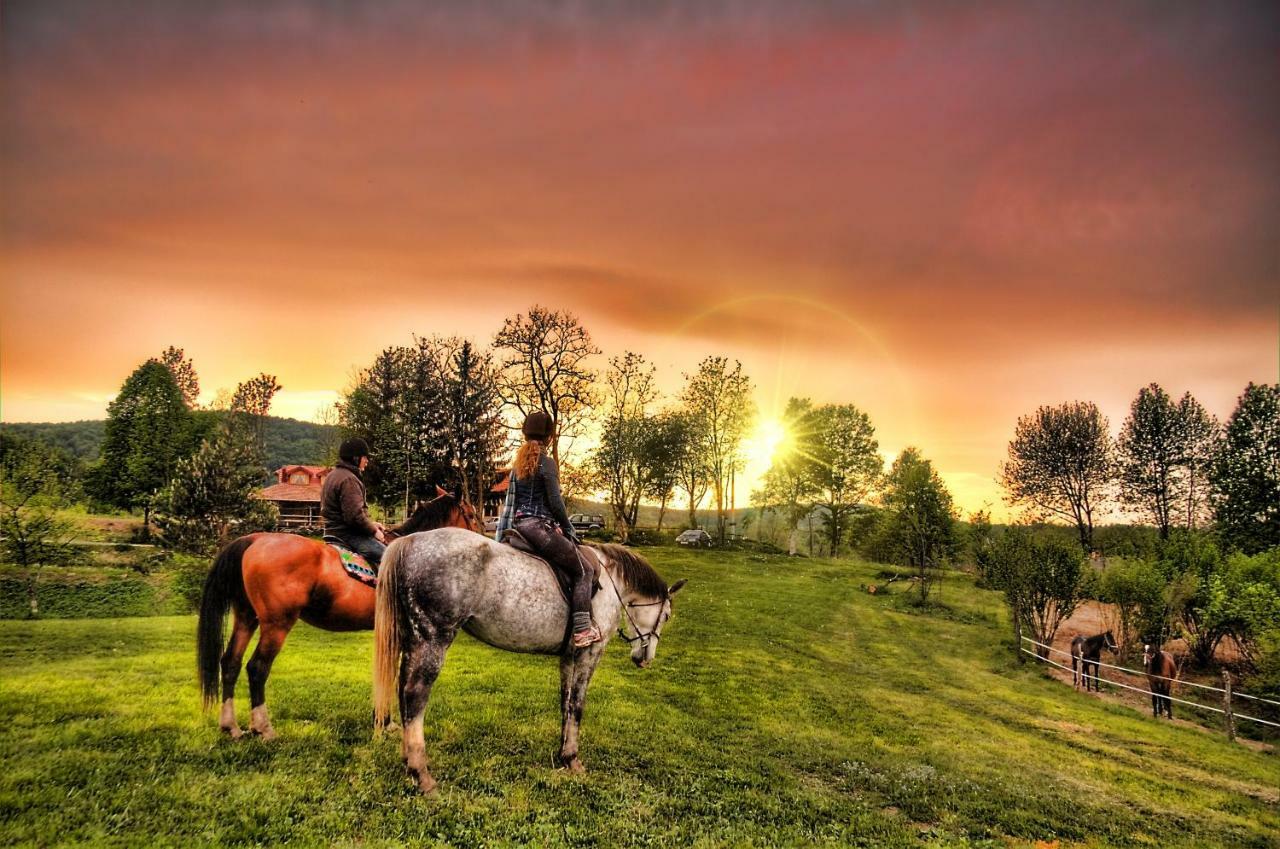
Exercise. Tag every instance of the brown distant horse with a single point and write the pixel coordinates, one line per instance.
(270, 581)
(1161, 671)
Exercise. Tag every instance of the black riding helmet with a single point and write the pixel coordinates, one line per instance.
(537, 425)
(351, 450)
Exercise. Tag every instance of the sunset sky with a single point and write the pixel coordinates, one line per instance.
(947, 214)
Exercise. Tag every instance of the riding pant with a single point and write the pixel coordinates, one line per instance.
(367, 547)
(561, 552)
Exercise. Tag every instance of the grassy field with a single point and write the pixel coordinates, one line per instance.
(787, 707)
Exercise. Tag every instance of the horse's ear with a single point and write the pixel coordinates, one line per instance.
(440, 493)
(675, 588)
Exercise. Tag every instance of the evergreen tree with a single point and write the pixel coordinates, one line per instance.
(213, 497)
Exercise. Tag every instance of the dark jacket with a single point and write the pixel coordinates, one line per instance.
(342, 503)
(538, 495)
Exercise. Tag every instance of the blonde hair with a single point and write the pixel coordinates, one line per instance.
(528, 458)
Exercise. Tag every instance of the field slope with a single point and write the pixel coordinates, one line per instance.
(787, 707)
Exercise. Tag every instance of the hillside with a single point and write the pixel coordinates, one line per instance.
(287, 440)
(786, 707)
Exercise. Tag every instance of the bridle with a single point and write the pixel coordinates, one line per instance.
(641, 637)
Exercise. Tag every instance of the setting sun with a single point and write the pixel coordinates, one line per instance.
(770, 436)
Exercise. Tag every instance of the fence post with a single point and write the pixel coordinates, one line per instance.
(1226, 705)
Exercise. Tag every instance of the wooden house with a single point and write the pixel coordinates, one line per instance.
(296, 493)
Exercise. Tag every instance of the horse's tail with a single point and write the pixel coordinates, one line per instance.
(386, 636)
(223, 587)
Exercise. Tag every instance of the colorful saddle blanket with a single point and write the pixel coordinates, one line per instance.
(356, 566)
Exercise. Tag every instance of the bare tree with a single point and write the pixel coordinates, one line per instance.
(719, 399)
(544, 366)
(1060, 463)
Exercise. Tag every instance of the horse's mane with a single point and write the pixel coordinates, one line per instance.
(636, 571)
(429, 515)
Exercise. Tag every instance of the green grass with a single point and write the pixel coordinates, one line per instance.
(787, 707)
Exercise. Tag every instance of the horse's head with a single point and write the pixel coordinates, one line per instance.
(1146, 656)
(1110, 642)
(461, 513)
(648, 618)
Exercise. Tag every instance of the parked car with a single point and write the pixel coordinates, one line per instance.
(586, 522)
(491, 525)
(696, 537)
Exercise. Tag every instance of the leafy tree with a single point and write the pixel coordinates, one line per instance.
(844, 465)
(545, 367)
(1135, 591)
(918, 523)
(184, 374)
(35, 482)
(252, 402)
(660, 449)
(619, 461)
(718, 399)
(1151, 452)
(149, 429)
(1246, 475)
(1201, 439)
(1040, 581)
(213, 497)
(690, 458)
(1060, 463)
(978, 539)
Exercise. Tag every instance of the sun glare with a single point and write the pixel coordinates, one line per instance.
(768, 439)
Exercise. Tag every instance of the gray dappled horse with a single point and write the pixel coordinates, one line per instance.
(431, 584)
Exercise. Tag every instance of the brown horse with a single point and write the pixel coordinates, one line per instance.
(270, 581)
(1161, 671)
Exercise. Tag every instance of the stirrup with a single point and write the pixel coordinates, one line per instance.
(582, 639)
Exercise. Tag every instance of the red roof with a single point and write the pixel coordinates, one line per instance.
(291, 492)
(315, 470)
(501, 486)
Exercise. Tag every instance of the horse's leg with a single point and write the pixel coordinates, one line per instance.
(419, 666)
(241, 632)
(580, 669)
(259, 667)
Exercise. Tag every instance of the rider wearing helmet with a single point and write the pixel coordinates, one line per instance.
(535, 507)
(343, 507)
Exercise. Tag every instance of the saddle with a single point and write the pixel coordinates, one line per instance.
(516, 540)
(354, 565)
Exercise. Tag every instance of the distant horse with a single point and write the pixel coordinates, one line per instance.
(1161, 671)
(271, 581)
(1086, 652)
(433, 584)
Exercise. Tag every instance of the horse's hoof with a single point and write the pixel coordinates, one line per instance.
(266, 734)
(575, 766)
(426, 782)
(233, 731)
